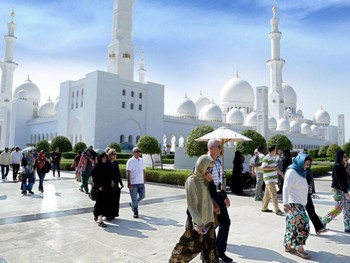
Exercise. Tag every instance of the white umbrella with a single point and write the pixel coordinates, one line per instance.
(225, 135)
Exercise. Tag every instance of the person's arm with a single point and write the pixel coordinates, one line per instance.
(128, 175)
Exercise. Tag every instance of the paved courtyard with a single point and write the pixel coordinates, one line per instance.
(58, 227)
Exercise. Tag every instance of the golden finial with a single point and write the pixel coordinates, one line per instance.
(274, 8)
(13, 13)
(237, 75)
(28, 79)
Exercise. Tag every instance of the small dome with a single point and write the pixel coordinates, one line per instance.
(47, 109)
(22, 95)
(32, 90)
(237, 93)
(251, 119)
(211, 112)
(305, 128)
(289, 96)
(283, 125)
(300, 112)
(186, 108)
(200, 102)
(322, 118)
(235, 116)
(315, 130)
(295, 127)
(272, 123)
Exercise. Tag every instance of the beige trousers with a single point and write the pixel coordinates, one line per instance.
(270, 193)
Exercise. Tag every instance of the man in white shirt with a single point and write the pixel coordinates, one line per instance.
(16, 158)
(136, 176)
(5, 160)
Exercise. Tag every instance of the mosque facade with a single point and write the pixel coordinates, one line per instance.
(110, 106)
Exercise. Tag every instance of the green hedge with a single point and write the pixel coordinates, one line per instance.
(178, 177)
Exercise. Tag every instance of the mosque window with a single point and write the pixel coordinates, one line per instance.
(73, 94)
(123, 92)
(82, 99)
(121, 140)
(131, 106)
(130, 139)
(140, 107)
(132, 94)
(123, 104)
(137, 139)
(140, 95)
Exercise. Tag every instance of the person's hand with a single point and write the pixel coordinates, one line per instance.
(101, 189)
(227, 202)
(347, 196)
(216, 207)
(129, 186)
(286, 208)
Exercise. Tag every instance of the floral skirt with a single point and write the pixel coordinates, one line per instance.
(297, 226)
(341, 204)
(191, 244)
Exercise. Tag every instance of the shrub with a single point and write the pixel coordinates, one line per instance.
(42, 145)
(68, 155)
(79, 146)
(114, 146)
(62, 142)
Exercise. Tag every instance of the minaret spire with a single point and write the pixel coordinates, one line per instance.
(275, 65)
(142, 70)
(121, 47)
(7, 66)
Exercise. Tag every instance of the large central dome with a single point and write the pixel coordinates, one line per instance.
(237, 93)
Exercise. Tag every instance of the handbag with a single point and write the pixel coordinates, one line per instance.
(93, 194)
(48, 166)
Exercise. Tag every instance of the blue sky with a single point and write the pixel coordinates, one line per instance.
(191, 46)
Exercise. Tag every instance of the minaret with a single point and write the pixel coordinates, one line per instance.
(275, 65)
(142, 70)
(121, 47)
(341, 129)
(7, 66)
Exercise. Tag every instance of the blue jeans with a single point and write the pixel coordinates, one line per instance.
(41, 181)
(56, 166)
(4, 171)
(28, 181)
(137, 193)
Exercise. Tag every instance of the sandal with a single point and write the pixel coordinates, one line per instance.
(102, 224)
(289, 249)
(280, 213)
(302, 254)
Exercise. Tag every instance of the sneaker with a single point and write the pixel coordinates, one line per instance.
(31, 192)
(24, 192)
(224, 257)
(81, 190)
(136, 215)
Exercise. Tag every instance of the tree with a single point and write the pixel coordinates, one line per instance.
(194, 148)
(62, 142)
(42, 145)
(115, 146)
(346, 148)
(248, 147)
(281, 142)
(323, 151)
(149, 145)
(79, 146)
(332, 149)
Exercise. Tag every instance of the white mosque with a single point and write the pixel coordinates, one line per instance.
(110, 106)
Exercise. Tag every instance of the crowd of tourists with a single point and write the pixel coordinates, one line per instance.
(208, 221)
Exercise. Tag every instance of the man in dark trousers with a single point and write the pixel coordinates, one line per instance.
(219, 197)
(56, 160)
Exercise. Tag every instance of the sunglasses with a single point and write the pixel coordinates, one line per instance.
(137, 151)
